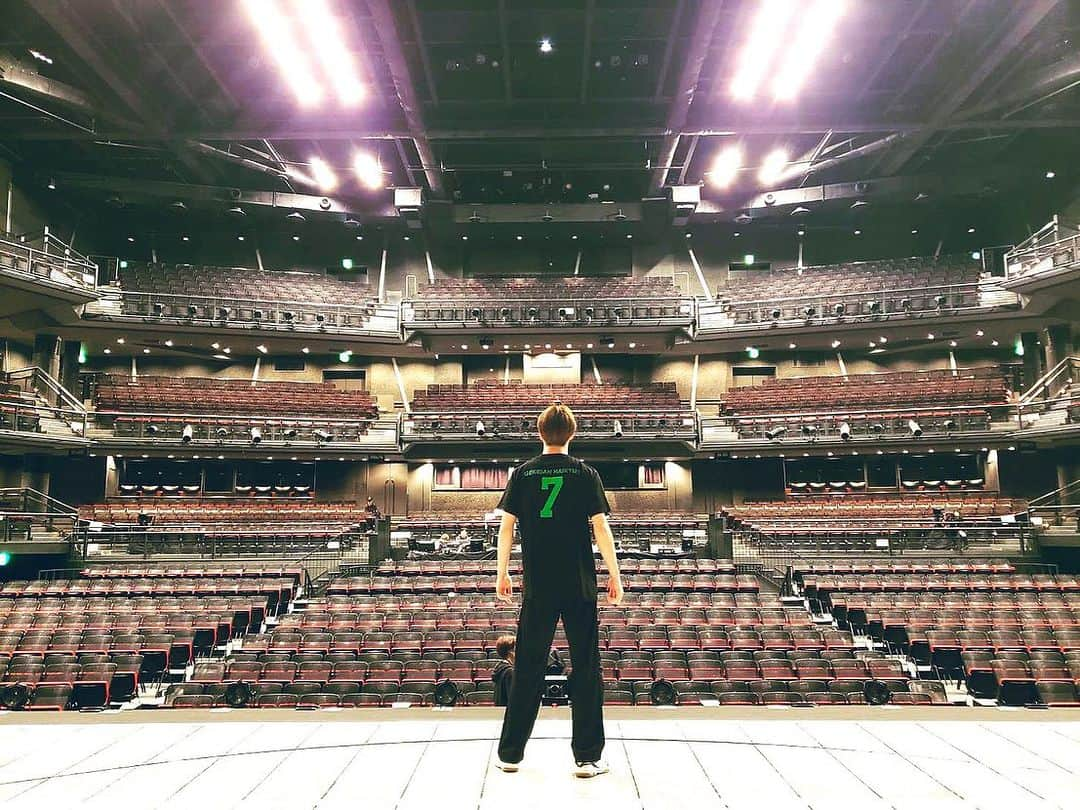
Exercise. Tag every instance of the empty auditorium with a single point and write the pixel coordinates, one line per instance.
(511, 404)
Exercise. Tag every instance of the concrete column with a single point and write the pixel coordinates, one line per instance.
(35, 473)
(1033, 360)
(1057, 340)
(47, 354)
(69, 365)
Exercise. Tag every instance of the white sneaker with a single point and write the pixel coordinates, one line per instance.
(506, 767)
(587, 770)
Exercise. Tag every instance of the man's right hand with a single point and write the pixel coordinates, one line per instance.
(614, 591)
(504, 588)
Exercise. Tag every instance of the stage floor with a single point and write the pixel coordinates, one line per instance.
(681, 759)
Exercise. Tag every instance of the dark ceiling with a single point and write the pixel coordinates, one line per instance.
(632, 97)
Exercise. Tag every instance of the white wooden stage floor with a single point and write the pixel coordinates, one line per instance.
(665, 760)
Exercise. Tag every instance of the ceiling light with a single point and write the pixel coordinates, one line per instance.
(757, 52)
(405, 238)
(914, 230)
(546, 46)
(465, 346)
(367, 169)
(107, 351)
(279, 41)
(736, 234)
(588, 345)
(146, 351)
(632, 345)
(296, 237)
(168, 343)
(748, 259)
(327, 41)
(573, 236)
(629, 236)
(725, 168)
(221, 357)
(1050, 175)
(41, 57)
(520, 237)
(772, 168)
(858, 232)
(120, 341)
(792, 346)
(261, 349)
(306, 350)
(993, 343)
(131, 238)
(227, 350)
(801, 232)
(547, 345)
(240, 237)
(836, 344)
(215, 345)
(185, 238)
(464, 239)
(971, 230)
(324, 176)
(953, 343)
(882, 340)
(814, 30)
(976, 255)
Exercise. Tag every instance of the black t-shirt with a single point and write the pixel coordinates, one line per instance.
(553, 496)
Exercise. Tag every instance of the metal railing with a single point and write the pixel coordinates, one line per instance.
(23, 417)
(508, 423)
(22, 509)
(1055, 246)
(466, 309)
(285, 540)
(1051, 385)
(222, 311)
(236, 429)
(852, 426)
(831, 309)
(1060, 507)
(37, 382)
(46, 258)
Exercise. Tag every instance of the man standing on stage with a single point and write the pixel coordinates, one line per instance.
(553, 498)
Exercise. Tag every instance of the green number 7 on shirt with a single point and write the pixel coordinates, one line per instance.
(554, 483)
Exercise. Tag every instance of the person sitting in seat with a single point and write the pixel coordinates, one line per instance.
(371, 509)
(503, 673)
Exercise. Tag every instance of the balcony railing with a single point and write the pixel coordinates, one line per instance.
(461, 310)
(222, 311)
(31, 419)
(509, 424)
(235, 430)
(852, 307)
(48, 259)
(37, 382)
(1054, 247)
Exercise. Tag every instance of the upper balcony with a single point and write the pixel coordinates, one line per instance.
(36, 267)
(856, 293)
(571, 304)
(609, 416)
(1047, 260)
(200, 297)
(231, 416)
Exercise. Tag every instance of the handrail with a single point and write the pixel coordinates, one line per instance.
(36, 373)
(853, 411)
(1042, 385)
(722, 303)
(71, 265)
(275, 302)
(46, 500)
(250, 417)
(1053, 494)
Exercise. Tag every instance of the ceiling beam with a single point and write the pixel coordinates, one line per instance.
(1013, 31)
(421, 46)
(679, 110)
(586, 48)
(504, 43)
(884, 59)
(289, 130)
(669, 49)
(383, 19)
(167, 7)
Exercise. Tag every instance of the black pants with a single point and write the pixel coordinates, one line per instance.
(536, 629)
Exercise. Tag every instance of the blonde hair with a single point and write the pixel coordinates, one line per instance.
(556, 424)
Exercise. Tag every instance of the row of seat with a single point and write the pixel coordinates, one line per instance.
(441, 603)
(588, 397)
(238, 511)
(483, 584)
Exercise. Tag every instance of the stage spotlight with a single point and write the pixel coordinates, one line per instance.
(192, 310)
(446, 693)
(238, 694)
(949, 425)
(590, 313)
(839, 310)
(152, 430)
(187, 434)
(939, 301)
(476, 313)
(504, 313)
(222, 433)
(905, 304)
(256, 434)
(809, 312)
(565, 313)
(775, 314)
(290, 433)
(877, 428)
(223, 313)
(810, 432)
(618, 429)
(486, 343)
(289, 316)
(257, 314)
(845, 431)
(876, 693)
(662, 693)
(159, 308)
(531, 313)
(873, 307)
(323, 436)
(775, 433)
(480, 429)
(320, 318)
(15, 696)
(914, 428)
